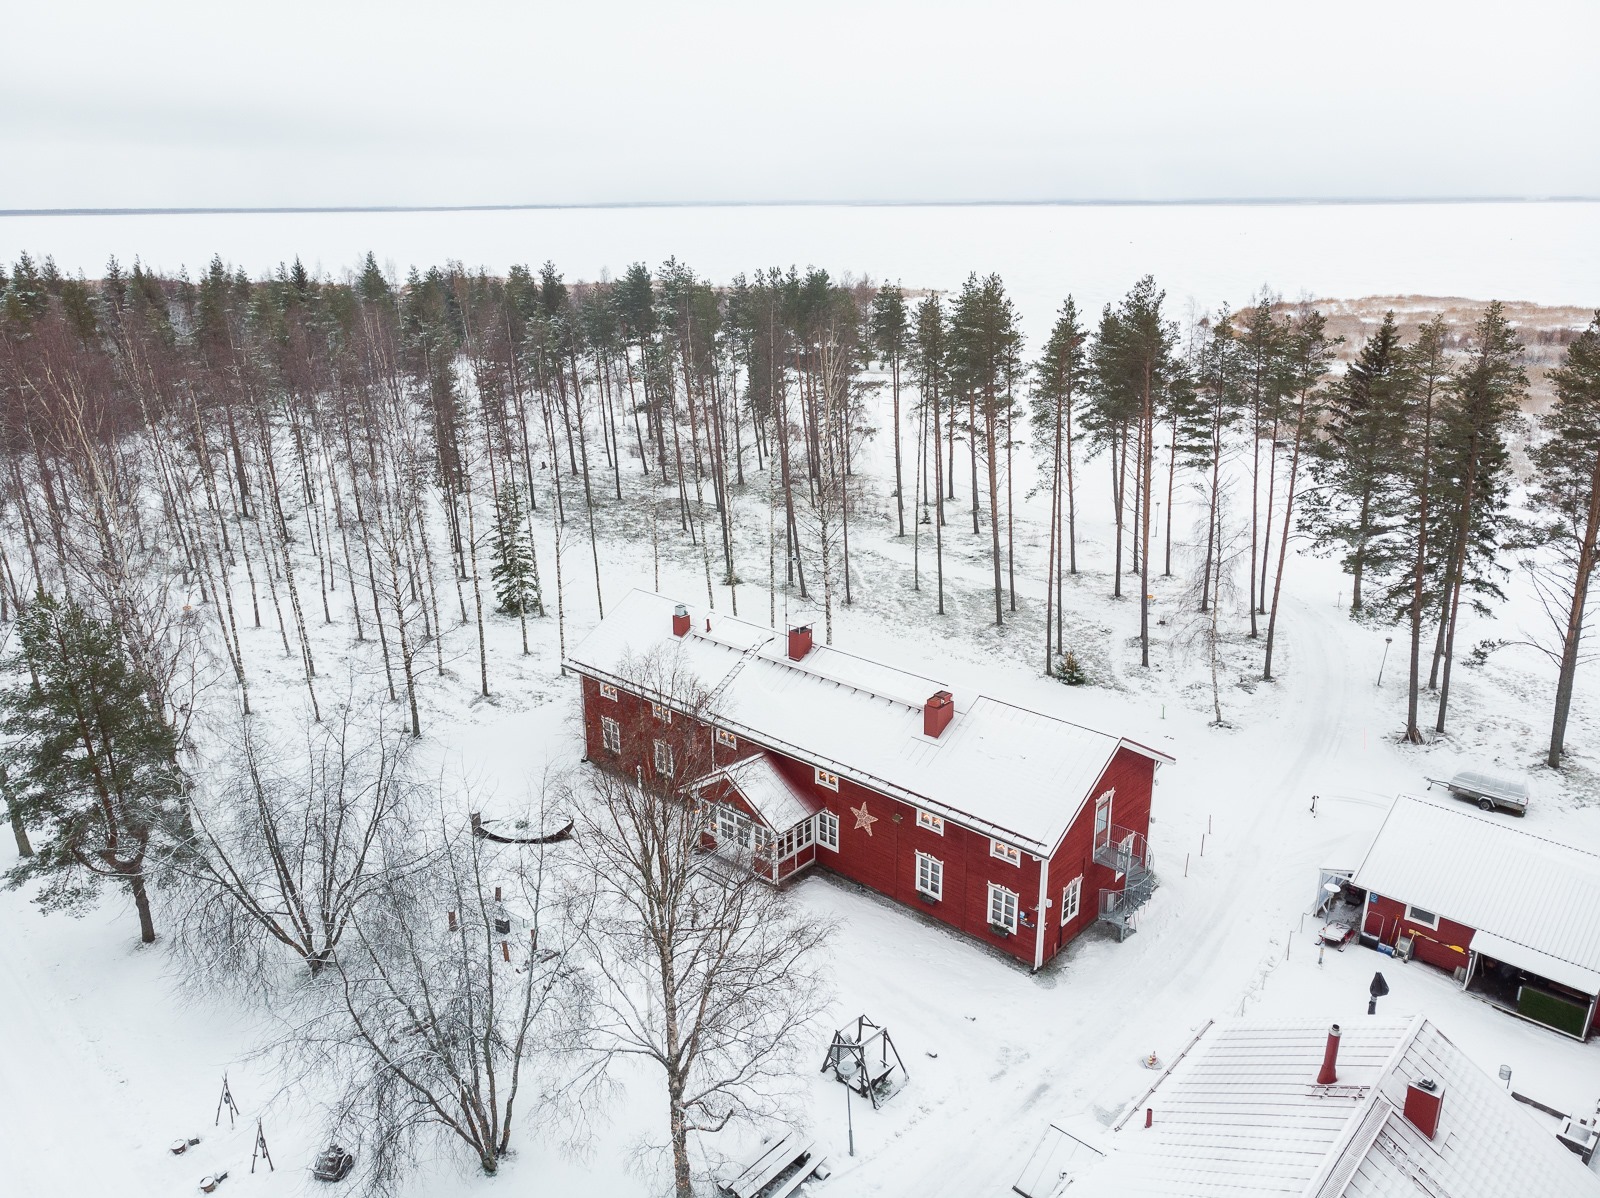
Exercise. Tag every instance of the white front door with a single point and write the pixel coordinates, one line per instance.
(1102, 820)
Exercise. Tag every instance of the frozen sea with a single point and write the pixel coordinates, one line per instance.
(1205, 254)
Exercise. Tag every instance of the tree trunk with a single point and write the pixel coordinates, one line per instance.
(141, 904)
(1574, 632)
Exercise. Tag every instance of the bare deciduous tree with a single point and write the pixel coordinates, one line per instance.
(709, 972)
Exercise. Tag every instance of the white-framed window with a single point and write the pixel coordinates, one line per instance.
(663, 759)
(1071, 900)
(828, 830)
(1420, 916)
(735, 827)
(930, 876)
(1102, 819)
(661, 712)
(930, 821)
(610, 734)
(796, 838)
(1002, 850)
(607, 691)
(727, 739)
(824, 778)
(1002, 908)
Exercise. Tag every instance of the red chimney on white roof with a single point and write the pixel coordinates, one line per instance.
(799, 641)
(680, 620)
(1424, 1102)
(937, 713)
(1328, 1074)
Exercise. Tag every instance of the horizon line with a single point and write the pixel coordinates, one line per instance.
(1199, 201)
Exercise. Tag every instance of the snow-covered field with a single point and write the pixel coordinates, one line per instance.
(1210, 253)
(106, 1062)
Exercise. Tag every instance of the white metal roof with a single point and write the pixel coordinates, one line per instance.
(780, 804)
(1001, 769)
(1537, 900)
(1242, 1115)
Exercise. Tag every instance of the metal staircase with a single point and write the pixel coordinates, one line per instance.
(1126, 852)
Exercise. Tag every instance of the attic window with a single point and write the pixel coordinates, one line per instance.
(930, 821)
(727, 739)
(1005, 852)
(824, 778)
(664, 714)
(1417, 915)
(607, 691)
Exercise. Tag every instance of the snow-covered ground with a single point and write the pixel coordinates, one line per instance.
(106, 1061)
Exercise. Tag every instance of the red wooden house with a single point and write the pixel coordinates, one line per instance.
(1014, 827)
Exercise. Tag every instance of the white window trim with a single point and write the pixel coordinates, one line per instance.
(828, 830)
(1072, 900)
(1414, 915)
(930, 821)
(662, 713)
(930, 866)
(1102, 836)
(827, 780)
(727, 739)
(1008, 905)
(1005, 852)
(661, 747)
(610, 735)
(607, 691)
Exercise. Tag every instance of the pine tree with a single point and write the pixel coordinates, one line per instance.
(1307, 353)
(1475, 468)
(516, 582)
(1569, 488)
(1059, 380)
(93, 767)
(931, 356)
(987, 356)
(891, 337)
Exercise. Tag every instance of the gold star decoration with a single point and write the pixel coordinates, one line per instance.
(864, 818)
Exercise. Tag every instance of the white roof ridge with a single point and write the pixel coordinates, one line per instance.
(1358, 1128)
(1472, 813)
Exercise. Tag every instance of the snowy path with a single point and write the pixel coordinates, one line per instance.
(1197, 955)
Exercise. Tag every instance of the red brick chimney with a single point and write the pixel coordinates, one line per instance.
(1424, 1101)
(937, 713)
(680, 621)
(799, 642)
(1327, 1075)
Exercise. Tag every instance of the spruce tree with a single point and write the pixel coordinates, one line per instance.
(1569, 488)
(516, 584)
(1357, 497)
(93, 768)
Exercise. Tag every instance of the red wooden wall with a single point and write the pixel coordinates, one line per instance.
(884, 858)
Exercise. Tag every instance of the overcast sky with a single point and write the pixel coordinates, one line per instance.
(159, 103)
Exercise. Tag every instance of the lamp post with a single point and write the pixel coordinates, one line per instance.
(1387, 641)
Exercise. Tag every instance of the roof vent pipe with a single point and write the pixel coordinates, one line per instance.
(1330, 1058)
(680, 620)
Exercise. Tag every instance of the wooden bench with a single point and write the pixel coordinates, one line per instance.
(778, 1156)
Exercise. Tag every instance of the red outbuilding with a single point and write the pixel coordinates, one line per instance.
(1014, 827)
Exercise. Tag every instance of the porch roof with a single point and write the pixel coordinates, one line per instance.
(780, 803)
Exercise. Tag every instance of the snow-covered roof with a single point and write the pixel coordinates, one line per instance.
(1001, 769)
(1242, 1114)
(1532, 901)
(779, 802)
